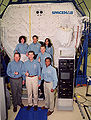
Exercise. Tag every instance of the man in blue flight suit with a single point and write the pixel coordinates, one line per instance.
(34, 46)
(50, 82)
(31, 70)
(14, 71)
(41, 59)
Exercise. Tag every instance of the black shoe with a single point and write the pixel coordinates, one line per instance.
(15, 109)
(21, 105)
(49, 113)
(28, 107)
(42, 96)
(44, 108)
(35, 108)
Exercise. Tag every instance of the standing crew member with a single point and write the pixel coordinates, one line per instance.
(41, 59)
(42, 56)
(50, 82)
(49, 47)
(34, 46)
(32, 71)
(22, 48)
(14, 71)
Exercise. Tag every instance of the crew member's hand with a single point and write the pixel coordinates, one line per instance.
(16, 73)
(27, 74)
(38, 85)
(39, 77)
(26, 54)
(39, 59)
(23, 82)
(52, 90)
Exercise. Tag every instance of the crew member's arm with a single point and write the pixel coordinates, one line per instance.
(38, 58)
(39, 71)
(55, 79)
(52, 52)
(16, 49)
(29, 48)
(23, 76)
(26, 50)
(9, 71)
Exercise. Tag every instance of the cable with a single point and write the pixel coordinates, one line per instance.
(80, 104)
(83, 97)
(86, 112)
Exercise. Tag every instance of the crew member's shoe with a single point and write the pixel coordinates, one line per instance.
(49, 113)
(15, 109)
(43, 108)
(21, 105)
(35, 108)
(28, 107)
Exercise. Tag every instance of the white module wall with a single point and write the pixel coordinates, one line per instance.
(64, 30)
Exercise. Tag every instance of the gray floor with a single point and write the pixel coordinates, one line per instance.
(63, 115)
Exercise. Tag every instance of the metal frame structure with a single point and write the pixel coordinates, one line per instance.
(80, 79)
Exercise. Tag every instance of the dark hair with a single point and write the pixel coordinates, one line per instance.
(17, 53)
(43, 46)
(41, 42)
(35, 36)
(21, 38)
(48, 59)
(31, 52)
(49, 44)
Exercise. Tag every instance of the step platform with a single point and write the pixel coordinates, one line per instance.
(24, 114)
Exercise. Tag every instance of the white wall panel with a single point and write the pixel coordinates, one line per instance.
(60, 28)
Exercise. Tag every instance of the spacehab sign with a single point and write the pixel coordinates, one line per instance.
(62, 12)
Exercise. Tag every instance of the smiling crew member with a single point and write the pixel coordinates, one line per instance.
(41, 59)
(31, 69)
(49, 47)
(22, 48)
(34, 46)
(14, 71)
(50, 82)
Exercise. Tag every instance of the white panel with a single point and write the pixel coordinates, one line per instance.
(62, 29)
(15, 23)
(2, 100)
(65, 104)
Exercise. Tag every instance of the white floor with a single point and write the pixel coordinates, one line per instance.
(63, 115)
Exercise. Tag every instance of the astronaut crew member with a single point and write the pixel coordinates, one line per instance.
(50, 82)
(14, 71)
(22, 47)
(31, 69)
(34, 46)
(49, 47)
(42, 55)
(41, 59)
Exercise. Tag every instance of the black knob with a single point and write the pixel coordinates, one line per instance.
(37, 12)
(41, 12)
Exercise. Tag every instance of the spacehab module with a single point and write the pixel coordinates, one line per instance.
(62, 23)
